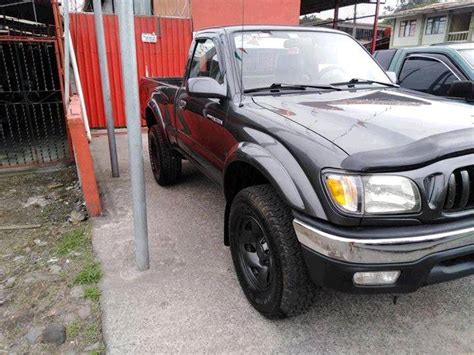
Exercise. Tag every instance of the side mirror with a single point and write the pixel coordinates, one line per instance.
(462, 89)
(206, 87)
(392, 76)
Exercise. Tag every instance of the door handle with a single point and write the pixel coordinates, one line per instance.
(182, 104)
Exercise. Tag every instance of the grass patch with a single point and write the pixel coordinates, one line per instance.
(72, 329)
(90, 274)
(92, 333)
(92, 293)
(72, 241)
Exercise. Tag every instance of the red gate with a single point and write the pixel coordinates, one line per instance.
(166, 57)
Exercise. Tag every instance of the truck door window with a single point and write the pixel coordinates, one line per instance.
(205, 62)
(427, 75)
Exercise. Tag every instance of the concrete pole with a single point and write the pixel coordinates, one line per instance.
(132, 111)
(376, 22)
(104, 76)
(66, 52)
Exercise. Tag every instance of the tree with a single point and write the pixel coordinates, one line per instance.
(403, 5)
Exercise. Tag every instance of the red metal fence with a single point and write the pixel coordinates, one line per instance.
(166, 57)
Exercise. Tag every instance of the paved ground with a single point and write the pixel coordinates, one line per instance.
(190, 300)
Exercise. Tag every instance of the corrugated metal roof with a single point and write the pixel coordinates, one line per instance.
(311, 6)
(433, 8)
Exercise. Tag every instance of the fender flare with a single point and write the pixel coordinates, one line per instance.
(292, 192)
(270, 167)
(158, 117)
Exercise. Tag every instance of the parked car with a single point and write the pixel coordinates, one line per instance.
(333, 175)
(436, 70)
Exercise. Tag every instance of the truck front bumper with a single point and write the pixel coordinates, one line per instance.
(415, 256)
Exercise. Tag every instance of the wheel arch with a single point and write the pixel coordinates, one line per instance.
(154, 116)
(249, 164)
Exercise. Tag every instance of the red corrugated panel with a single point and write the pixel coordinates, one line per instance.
(167, 57)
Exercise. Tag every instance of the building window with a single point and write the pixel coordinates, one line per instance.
(435, 25)
(407, 28)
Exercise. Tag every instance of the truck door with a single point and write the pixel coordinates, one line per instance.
(430, 73)
(200, 121)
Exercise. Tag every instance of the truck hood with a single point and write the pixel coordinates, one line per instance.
(383, 121)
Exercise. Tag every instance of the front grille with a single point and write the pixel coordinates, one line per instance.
(460, 195)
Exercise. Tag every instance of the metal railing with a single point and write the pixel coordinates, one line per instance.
(459, 36)
(32, 127)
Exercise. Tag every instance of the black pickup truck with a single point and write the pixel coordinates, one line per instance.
(333, 175)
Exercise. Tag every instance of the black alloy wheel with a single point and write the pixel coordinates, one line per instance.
(254, 254)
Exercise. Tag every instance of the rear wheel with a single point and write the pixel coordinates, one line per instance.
(165, 163)
(267, 255)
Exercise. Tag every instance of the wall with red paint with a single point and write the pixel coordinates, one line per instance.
(83, 158)
(209, 13)
(167, 57)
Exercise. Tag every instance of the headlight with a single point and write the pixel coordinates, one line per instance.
(390, 194)
(373, 194)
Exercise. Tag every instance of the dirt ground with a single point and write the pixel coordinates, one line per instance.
(49, 299)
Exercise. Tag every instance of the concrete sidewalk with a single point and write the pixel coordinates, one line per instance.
(190, 300)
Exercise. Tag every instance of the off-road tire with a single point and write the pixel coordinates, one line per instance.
(165, 163)
(290, 292)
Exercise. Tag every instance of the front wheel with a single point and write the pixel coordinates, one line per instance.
(267, 255)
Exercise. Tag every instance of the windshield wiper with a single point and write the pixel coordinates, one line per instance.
(275, 87)
(355, 81)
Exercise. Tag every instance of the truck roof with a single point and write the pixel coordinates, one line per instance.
(239, 28)
(466, 45)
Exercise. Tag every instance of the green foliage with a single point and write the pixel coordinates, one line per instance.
(92, 293)
(92, 333)
(412, 4)
(72, 329)
(72, 241)
(90, 274)
(312, 19)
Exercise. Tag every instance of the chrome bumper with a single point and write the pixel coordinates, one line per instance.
(380, 251)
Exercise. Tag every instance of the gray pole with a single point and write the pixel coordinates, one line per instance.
(104, 76)
(34, 10)
(66, 52)
(354, 31)
(132, 111)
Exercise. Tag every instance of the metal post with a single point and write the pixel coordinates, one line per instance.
(374, 34)
(336, 15)
(66, 52)
(354, 28)
(104, 76)
(34, 10)
(77, 80)
(132, 111)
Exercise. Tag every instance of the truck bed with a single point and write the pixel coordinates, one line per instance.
(148, 85)
(163, 80)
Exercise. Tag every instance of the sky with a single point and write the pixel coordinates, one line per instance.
(362, 10)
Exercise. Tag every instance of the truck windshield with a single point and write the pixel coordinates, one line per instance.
(302, 58)
(468, 54)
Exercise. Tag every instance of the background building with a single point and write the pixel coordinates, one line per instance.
(435, 23)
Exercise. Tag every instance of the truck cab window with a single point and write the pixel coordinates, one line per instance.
(205, 62)
(426, 75)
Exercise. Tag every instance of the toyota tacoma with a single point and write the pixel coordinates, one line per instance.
(333, 175)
